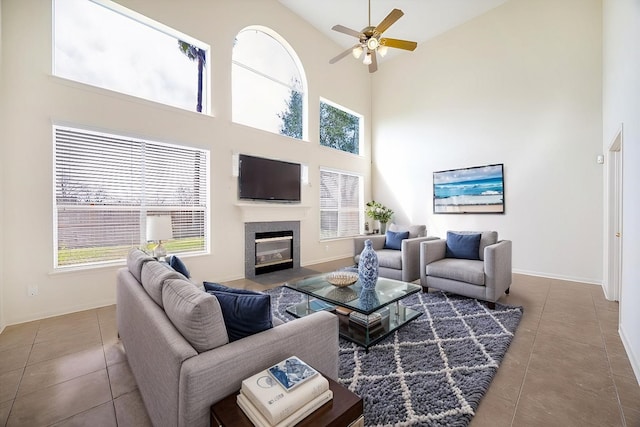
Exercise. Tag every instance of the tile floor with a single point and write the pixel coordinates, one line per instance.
(565, 367)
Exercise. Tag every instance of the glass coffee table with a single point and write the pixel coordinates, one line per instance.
(366, 316)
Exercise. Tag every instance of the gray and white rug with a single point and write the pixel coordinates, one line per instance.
(433, 371)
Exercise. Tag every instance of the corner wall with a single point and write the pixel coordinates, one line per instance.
(621, 104)
(519, 85)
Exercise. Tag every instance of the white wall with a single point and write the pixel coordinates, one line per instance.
(519, 85)
(37, 99)
(2, 321)
(621, 104)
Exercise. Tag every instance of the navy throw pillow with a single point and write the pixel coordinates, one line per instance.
(211, 286)
(463, 246)
(245, 313)
(394, 239)
(177, 264)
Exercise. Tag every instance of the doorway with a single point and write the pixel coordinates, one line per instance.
(614, 227)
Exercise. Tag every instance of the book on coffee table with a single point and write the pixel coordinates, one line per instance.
(271, 399)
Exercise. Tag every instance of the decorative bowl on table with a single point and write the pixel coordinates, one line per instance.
(342, 278)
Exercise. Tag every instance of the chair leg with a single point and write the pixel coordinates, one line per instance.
(425, 289)
(491, 305)
(507, 291)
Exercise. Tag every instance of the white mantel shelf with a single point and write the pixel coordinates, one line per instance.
(263, 212)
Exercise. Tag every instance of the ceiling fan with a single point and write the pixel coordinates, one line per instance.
(371, 40)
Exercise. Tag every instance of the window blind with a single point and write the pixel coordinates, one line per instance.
(106, 185)
(341, 204)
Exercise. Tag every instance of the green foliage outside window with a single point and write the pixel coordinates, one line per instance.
(339, 129)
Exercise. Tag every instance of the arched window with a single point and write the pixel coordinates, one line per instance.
(269, 85)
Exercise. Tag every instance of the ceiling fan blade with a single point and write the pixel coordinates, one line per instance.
(373, 67)
(399, 44)
(343, 54)
(392, 17)
(345, 30)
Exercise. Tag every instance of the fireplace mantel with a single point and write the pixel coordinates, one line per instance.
(257, 212)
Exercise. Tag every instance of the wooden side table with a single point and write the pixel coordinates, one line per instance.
(345, 409)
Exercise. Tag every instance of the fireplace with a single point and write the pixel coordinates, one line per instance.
(271, 246)
(274, 251)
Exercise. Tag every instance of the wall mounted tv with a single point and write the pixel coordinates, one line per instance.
(478, 189)
(268, 179)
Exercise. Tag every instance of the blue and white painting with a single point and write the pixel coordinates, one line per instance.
(477, 189)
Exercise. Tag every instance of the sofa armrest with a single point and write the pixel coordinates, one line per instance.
(430, 251)
(377, 242)
(411, 257)
(212, 375)
(497, 268)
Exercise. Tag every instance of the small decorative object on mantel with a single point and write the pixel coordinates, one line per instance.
(368, 266)
(380, 213)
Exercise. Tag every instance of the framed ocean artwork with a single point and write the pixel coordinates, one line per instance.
(478, 189)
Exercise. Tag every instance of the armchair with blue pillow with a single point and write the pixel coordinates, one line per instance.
(398, 251)
(473, 264)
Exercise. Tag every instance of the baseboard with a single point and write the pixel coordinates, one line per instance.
(559, 277)
(329, 259)
(633, 358)
(68, 310)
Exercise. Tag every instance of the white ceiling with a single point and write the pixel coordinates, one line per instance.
(422, 20)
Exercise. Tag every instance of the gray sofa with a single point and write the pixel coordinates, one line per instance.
(178, 350)
(486, 279)
(401, 264)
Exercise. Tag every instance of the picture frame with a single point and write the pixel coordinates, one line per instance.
(472, 190)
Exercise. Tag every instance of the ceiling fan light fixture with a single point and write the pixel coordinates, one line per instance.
(382, 50)
(367, 59)
(373, 43)
(357, 52)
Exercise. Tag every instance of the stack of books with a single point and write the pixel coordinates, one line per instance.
(284, 394)
(371, 320)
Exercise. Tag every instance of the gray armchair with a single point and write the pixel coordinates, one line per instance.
(487, 278)
(401, 264)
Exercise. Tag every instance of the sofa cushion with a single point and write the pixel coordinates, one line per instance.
(244, 313)
(460, 270)
(390, 258)
(196, 314)
(153, 276)
(135, 261)
(463, 245)
(414, 230)
(179, 266)
(486, 238)
(394, 239)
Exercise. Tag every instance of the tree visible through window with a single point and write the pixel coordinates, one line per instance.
(341, 204)
(268, 83)
(339, 129)
(106, 186)
(106, 45)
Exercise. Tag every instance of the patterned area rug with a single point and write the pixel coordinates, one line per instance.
(431, 372)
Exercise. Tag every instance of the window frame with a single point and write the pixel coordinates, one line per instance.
(155, 25)
(350, 112)
(303, 77)
(143, 208)
(360, 208)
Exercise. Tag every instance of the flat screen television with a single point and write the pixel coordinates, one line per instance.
(268, 179)
(478, 189)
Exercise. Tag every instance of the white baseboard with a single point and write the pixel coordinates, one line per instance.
(633, 358)
(67, 310)
(589, 281)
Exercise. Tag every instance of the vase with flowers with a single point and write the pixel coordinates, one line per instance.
(379, 212)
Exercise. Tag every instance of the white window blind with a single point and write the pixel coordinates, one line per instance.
(106, 185)
(341, 204)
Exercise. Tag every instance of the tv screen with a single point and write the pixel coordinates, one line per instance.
(267, 179)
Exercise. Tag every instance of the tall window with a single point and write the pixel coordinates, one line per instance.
(268, 83)
(106, 45)
(341, 204)
(106, 186)
(339, 128)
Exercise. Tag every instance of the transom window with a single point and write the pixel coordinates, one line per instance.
(268, 83)
(341, 204)
(339, 128)
(107, 185)
(103, 44)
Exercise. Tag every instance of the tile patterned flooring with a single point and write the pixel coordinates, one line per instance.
(566, 365)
